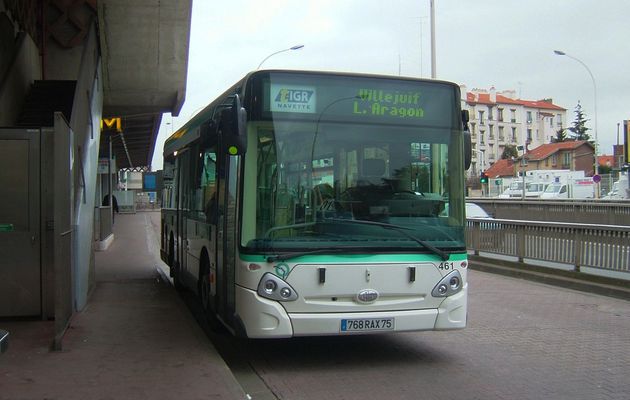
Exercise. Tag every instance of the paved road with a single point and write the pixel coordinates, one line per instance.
(524, 341)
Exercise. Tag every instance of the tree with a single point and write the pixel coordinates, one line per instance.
(578, 128)
(509, 152)
(604, 169)
(561, 136)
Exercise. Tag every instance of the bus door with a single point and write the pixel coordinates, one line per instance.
(226, 236)
(183, 179)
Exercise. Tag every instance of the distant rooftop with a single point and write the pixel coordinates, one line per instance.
(480, 96)
(544, 151)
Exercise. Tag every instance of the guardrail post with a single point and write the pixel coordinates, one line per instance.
(577, 254)
(475, 237)
(520, 242)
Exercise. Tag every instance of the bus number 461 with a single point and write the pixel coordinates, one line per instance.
(446, 266)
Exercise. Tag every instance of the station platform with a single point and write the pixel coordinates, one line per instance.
(135, 339)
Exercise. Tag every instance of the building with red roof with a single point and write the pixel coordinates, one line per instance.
(606, 161)
(502, 169)
(574, 155)
(500, 119)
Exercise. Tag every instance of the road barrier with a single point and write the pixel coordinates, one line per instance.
(604, 247)
(564, 210)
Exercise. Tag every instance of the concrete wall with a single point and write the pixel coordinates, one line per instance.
(20, 74)
(85, 123)
(63, 63)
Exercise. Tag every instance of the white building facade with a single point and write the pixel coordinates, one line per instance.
(501, 119)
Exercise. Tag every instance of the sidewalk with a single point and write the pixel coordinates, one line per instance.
(135, 339)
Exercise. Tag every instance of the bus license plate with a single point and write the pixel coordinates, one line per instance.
(367, 324)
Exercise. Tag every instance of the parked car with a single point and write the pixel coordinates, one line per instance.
(472, 211)
(476, 211)
(619, 190)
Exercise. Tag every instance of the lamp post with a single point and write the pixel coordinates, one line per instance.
(433, 71)
(296, 47)
(562, 53)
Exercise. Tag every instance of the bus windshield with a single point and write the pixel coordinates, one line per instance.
(339, 176)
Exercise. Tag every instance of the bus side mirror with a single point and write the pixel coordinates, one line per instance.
(467, 140)
(234, 133)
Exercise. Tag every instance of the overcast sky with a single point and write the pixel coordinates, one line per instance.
(507, 44)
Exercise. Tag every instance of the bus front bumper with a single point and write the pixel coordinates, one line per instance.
(263, 318)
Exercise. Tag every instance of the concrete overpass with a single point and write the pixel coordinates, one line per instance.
(66, 65)
(144, 47)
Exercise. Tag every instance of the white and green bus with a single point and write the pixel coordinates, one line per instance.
(312, 203)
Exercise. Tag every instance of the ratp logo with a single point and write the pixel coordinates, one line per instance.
(293, 99)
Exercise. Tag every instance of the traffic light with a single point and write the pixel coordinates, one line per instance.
(483, 178)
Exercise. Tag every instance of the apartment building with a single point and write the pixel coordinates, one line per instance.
(500, 119)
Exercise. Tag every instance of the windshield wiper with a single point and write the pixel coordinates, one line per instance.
(286, 256)
(400, 229)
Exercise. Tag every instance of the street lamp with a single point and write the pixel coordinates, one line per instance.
(562, 53)
(432, 7)
(297, 47)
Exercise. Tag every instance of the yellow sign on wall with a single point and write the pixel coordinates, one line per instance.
(111, 123)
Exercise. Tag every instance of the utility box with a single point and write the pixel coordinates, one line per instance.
(27, 222)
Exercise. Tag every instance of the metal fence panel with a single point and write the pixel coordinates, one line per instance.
(605, 247)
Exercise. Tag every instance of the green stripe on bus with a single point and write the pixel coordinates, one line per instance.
(6, 227)
(360, 257)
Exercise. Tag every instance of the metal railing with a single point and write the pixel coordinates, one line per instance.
(563, 210)
(604, 247)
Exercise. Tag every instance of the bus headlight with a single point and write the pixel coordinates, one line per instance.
(285, 292)
(274, 288)
(449, 285)
(270, 286)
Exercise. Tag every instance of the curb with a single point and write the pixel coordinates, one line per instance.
(611, 287)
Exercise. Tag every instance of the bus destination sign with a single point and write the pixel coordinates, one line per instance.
(371, 100)
(392, 103)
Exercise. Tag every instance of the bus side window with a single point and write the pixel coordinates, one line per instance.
(168, 199)
(209, 183)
